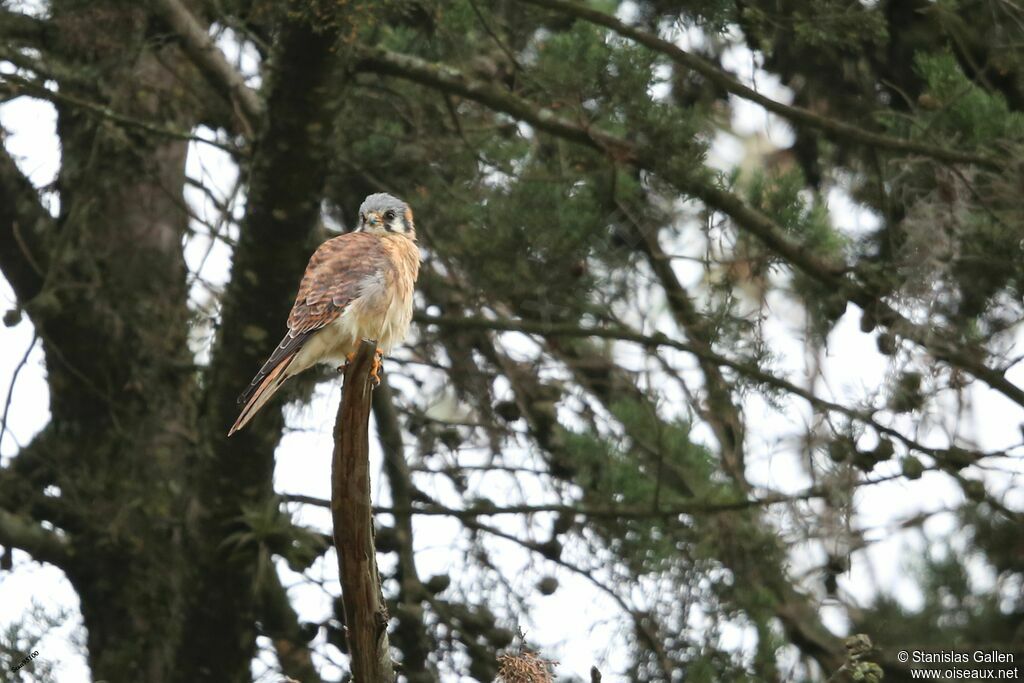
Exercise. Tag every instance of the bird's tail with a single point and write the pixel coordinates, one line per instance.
(262, 393)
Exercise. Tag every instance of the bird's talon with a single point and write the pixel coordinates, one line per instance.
(349, 357)
(375, 370)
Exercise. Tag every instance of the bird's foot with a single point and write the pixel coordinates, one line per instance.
(349, 357)
(378, 365)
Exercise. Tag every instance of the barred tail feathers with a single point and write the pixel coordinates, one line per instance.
(262, 393)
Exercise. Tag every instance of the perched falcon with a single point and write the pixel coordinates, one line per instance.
(357, 286)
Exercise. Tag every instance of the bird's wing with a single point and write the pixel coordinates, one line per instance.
(336, 275)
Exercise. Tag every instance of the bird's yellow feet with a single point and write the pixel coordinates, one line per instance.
(349, 357)
(378, 357)
(378, 364)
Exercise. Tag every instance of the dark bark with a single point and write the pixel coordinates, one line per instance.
(148, 492)
(281, 624)
(285, 186)
(366, 615)
(113, 315)
(23, 222)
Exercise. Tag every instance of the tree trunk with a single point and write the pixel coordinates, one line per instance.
(236, 474)
(113, 316)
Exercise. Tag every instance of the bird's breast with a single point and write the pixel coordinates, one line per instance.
(383, 309)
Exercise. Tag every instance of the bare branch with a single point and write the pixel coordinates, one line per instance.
(23, 220)
(16, 27)
(665, 512)
(244, 100)
(366, 615)
(10, 388)
(25, 534)
(281, 624)
(16, 84)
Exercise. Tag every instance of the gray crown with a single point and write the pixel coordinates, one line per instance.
(380, 202)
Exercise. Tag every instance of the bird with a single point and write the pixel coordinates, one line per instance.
(357, 286)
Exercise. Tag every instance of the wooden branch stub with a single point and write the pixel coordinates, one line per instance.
(366, 615)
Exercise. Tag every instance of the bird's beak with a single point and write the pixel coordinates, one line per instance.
(373, 219)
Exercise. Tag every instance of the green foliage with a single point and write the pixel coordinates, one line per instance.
(832, 25)
(837, 24)
(999, 539)
(963, 110)
(986, 267)
(785, 198)
(637, 473)
(270, 531)
(956, 613)
(531, 241)
(610, 475)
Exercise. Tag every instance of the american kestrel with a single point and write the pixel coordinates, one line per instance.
(357, 286)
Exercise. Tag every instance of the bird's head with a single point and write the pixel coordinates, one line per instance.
(382, 214)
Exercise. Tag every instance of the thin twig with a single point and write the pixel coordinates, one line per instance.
(10, 388)
(17, 83)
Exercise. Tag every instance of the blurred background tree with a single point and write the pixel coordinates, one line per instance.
(631, 300)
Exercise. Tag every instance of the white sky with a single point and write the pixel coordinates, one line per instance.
(578, 625)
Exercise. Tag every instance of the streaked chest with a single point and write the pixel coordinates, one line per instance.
(403, 256)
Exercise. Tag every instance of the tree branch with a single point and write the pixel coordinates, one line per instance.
(17, 27)
(244, 101)
(23, 222)
(25, 534)
(721, 413)
(608, 383)
(411, 634)
(446, 79)
(282, 210)
(748, 370)
(841, 279)
(366, 616)
(16, 84)
(666, 512)
(10, 389)
(724, 80)
(645, 624)
(281, 624)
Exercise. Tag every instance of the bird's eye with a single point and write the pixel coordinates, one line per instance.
(389, 215)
